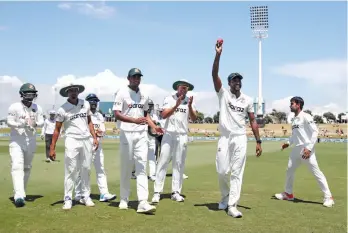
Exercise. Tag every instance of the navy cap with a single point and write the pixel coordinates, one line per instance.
(234, 75)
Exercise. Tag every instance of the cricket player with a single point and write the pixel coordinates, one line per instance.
(177, 109)
(47, 132)
(131, 107)
(23, 118)
(304, 136)
(97, 156)
(234, 106)
(151, 156)
(75, 116)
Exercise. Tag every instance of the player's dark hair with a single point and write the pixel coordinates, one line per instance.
(298, 100)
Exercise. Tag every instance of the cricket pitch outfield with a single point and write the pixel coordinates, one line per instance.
(263, 177)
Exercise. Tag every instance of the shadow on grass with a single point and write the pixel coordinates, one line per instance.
(296, 200)
(215, 206)
(131, 205)
(29, 198)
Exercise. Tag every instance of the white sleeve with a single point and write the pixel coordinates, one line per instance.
(39, 117)
(221, 92)
(118, 103)
(60, 115)
(146, 104)
(311, 127)
(250, 106)
(12, 118)
(102, 123)
(167, 103)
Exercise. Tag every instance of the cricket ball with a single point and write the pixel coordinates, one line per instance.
(220, 41)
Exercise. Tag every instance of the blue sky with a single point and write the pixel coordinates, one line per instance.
(40, 42)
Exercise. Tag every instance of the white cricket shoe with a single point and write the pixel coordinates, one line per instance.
(107, 197)
(145, 207)
(223, 204)
(67, 204)
(328, 202)
(152, 178)
(184, 176)
(284, 196)
(156, 198)
(177, 197)
(123, 205)
(232, 211)
(87, 202)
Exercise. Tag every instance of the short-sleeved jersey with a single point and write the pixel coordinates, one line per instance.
(131, 104)
(233, 112)
(304, 131)
(19, 114)
(178, 121)
(74, 118)
(48, 127)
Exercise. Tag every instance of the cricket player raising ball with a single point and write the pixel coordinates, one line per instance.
(75, 115)
(177, 109)
(304, 136)
(235, 106)
(23, 118)
(131, 107)
(98, 155)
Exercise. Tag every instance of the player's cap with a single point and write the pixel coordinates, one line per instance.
(183, 82)
(234, 75)
(92, 98)
(52, 112)
(151, 102)
(27, 87)
(64, 91)
(134, 71)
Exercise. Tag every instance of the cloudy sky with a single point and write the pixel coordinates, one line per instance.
(51, 44)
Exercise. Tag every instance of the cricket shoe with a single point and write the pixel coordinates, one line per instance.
(19, 202)
(77, 199)
(184, 176)
(177, 197)
(144, 207)
(48, 160)
(87, 202)
(232, 211)
(123, 205)
(134, 177)
(107, 197)
(328, 202)
(223, 204)
(152, 178)
(67, 203)
(156, 198)
(284, 196)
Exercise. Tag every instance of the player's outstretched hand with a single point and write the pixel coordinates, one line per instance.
(179, 100)
(141, 121)
(285, 145)
(258, 150)
(52, 154)
(218, 46)
(190, 101)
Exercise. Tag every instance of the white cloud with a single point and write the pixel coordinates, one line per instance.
(97, 10)
(106, 83)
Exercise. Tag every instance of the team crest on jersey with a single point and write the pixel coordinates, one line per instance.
(235, 108)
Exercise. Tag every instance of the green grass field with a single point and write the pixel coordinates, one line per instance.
(263, 177)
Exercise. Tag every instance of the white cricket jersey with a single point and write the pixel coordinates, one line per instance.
(131, 104)
(74, 118)
(304, 131)
(48, 127)
(98, 121)
(19, 114)
(178, 121)
(233, 112)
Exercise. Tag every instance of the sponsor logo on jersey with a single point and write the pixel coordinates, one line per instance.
(78, 115)
(117, 103)
(181, 110)
(135, 106)
(235, 108)
(96, 126)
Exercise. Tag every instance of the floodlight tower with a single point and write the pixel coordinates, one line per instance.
(259, 27)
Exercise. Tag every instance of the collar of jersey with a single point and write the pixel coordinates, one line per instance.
(234, 96)
(72, 105)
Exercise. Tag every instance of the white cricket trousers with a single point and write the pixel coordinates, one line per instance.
(151, 156)
(173, 145)
(133, 151)
(98, 161)
(295, 160)
(78, 159)
(230, 164)
(22, 154)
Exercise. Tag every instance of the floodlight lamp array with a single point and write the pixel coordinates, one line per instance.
(259, 18)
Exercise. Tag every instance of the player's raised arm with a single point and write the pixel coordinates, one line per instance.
(215, 71)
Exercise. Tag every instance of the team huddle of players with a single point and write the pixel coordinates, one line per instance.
(84, 129)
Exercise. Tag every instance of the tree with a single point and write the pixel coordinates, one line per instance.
(208, 120)
(200, 117)
(268, 119)
(329, 116)
(308, 111)
(340, 116)
(216, 117)
(318, 119)
(280, 116)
